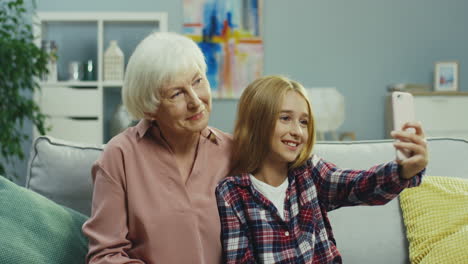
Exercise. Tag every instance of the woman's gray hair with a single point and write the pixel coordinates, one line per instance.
(157, 61)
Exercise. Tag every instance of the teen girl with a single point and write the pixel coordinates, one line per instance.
(275, 209)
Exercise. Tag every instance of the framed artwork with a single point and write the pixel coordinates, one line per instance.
(229, 34)
(446, 76)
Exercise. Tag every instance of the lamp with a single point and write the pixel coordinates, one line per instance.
(328, 107)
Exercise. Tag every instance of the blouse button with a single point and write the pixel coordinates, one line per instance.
(286, 233)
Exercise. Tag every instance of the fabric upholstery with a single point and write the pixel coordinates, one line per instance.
(34, 229)
(377, 234)
(436, 220)
(61, 171)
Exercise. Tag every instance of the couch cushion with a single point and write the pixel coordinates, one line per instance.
(436, 220)
(61, 171)
(364, 234)
(34, 229)
(376, 234)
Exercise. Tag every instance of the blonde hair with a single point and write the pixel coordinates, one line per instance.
(157, 61)
(258, 111)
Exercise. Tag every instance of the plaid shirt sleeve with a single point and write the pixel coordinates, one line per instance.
(344, 187)
(235, 241)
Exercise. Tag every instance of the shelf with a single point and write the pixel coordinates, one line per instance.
(112, 84)
(440, 93)
(80, 37)
(105, 16)
(71, 83)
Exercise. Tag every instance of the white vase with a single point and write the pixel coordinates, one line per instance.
(113, 63)
(121, 119)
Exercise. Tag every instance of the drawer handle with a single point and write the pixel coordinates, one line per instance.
(82, 87)
(82, 118)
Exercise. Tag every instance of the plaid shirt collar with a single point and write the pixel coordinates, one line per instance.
(243, 180)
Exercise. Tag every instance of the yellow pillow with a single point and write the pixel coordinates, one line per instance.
(436, 220)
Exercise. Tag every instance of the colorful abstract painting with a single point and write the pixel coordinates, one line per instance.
(229, 34)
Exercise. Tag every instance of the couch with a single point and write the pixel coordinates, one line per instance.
(60, 171)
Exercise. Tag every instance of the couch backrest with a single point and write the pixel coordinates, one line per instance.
(447, 156)
(61, 171)
(376, 234)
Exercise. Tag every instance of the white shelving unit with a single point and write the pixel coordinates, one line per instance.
(76, 108)
(441, 113)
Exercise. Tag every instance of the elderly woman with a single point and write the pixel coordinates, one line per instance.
(153, 199)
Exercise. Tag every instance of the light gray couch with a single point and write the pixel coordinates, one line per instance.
(60, 171)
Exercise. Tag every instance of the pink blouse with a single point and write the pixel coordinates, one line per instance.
(142, 212)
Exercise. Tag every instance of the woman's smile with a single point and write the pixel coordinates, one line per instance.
(197, 116)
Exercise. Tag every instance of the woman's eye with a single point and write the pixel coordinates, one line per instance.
(285, 118)
(176, 95)
(196, 82)
(304, 122)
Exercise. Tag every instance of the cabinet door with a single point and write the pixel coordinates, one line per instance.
(442, 116)
(73, 113)
(76, 130)
(70, 102)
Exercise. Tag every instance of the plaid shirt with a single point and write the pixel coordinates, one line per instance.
(253, 232)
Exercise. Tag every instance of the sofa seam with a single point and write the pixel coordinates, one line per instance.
(379, 141)
(35, 152)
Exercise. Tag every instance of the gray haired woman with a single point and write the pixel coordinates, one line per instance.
(154, 184)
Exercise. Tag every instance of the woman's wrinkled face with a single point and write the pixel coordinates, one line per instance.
(185, 104)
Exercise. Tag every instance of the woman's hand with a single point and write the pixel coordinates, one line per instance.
(414, 145)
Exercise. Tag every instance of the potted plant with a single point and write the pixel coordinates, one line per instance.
(21, 65)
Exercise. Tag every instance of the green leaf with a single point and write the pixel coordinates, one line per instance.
(21, 65)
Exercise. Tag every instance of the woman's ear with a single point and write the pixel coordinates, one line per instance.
(150, 116)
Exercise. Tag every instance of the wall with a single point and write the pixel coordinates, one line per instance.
(358, 46)
(362, 46)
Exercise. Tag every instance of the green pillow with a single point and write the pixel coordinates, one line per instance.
(34, 229)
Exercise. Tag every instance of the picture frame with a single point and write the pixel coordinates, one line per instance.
(446, 76)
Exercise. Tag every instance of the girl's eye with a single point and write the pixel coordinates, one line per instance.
(285, 118)
(304, 122)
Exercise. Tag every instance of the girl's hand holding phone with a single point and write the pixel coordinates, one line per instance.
(413, 143)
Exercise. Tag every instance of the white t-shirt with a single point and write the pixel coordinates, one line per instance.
(275, 194)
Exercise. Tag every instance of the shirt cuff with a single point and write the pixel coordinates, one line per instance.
(412, 182)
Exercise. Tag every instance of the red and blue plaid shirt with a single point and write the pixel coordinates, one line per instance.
(253, 232)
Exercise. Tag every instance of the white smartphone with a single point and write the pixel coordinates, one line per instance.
(403, 112)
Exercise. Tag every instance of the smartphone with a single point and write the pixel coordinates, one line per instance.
(403, 112)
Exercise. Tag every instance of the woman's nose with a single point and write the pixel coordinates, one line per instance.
(193, 99)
